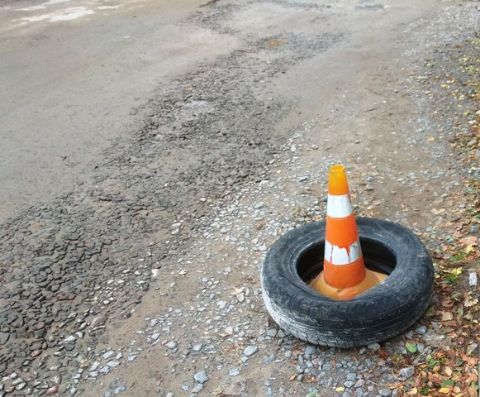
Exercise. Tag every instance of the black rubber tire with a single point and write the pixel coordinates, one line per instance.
(378, 314)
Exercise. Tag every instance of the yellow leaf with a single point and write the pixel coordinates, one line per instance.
(413, 392)
(444, 390)
(469, 248)
(340, 389)
(457, 271)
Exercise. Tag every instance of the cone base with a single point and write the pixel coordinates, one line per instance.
(371, 279)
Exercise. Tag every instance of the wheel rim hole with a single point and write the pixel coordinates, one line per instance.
(377, 257)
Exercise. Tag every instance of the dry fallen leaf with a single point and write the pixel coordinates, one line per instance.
(469, 302)
(469, 240)
(447, 302)
(447, 316)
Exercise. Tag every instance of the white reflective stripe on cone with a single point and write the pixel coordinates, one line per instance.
(339, 206)
(340, 256)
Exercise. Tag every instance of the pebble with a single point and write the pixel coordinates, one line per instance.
(197, 347)
(472, 279)
(113, 363)
(108, 354)
(17, 381)
(250, 350)
(117, 387)
(36, 353)
(351, 376)
(57, 379)
(269, 358)
(407, 372)
(69, 339)
(422, 330)
(233, 372)
(4, 336)
(201, 377)
(171, 344)
(21, 386)
(385, 392)
(272, 332)
(309, 350)
(374, 346)
(360, 383)
(52, 390)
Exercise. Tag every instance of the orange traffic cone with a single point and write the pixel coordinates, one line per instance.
(344, 274)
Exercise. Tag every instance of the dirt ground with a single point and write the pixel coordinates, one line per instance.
(153, 151)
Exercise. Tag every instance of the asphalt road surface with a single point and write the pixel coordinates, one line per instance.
(151, 151)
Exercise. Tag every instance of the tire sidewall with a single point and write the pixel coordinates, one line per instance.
(399, 300)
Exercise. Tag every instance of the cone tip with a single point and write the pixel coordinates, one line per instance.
(337, 168)
(337, 180)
